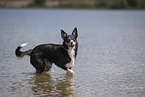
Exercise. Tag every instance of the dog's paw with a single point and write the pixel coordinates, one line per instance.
(71, 72)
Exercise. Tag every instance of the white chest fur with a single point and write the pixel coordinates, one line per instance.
(71, 53)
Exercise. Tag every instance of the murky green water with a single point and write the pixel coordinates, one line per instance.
(110, 62)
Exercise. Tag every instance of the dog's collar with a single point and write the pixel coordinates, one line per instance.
(64, 48)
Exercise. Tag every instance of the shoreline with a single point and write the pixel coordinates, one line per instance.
(70, 4)
(83, 9)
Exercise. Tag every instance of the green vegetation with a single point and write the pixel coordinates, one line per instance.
(37, 3)
(120, 4)
(106, 4)
(87, 4)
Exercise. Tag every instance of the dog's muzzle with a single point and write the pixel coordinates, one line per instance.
(72, 44)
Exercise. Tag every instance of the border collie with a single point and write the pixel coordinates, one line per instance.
(42, 56)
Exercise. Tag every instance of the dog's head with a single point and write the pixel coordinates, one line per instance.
(69, 40)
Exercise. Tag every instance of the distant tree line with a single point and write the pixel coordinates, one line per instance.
(107, 4)
(122, 4)
(37, 3)
(40, 2)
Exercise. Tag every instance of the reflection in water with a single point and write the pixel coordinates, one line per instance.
(45, 85)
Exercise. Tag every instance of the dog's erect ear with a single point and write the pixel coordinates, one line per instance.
(63, 34)
(75, 33)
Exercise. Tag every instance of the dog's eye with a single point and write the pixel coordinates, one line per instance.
(73, 39)
(68, 41)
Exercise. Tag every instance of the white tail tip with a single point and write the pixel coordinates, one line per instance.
(24, 44)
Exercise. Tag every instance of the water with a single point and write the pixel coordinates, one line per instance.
(110, 61)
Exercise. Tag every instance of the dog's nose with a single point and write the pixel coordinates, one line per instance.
(72, 44)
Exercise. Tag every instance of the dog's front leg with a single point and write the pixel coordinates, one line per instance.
(69, 71)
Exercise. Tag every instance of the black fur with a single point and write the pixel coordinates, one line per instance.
(21, 54)
(42, 56)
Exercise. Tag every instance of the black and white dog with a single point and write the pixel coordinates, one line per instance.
(42, 56)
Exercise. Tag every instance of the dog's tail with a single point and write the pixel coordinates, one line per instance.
(20, 53)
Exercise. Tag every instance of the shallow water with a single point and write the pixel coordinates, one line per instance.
(110, 61)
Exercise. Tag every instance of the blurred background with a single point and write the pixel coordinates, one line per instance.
(99, 4)
(111, 54)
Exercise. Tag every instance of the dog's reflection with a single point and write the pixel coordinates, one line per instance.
(46, 85)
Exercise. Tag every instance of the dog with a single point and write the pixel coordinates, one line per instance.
(43, 56)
